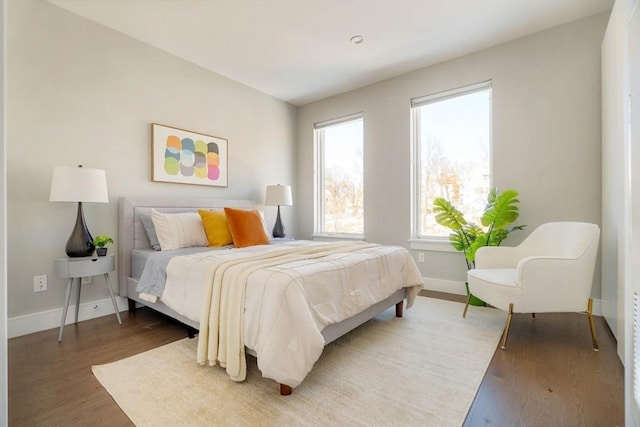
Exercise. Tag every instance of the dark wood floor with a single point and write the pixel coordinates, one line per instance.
(548, 376)
(51, 384)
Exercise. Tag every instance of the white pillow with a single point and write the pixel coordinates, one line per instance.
(179, 230)
(264, 224)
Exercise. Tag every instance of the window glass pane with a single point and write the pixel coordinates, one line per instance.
(342, 182)
(454, 151)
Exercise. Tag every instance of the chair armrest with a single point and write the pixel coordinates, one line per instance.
(551, 284)
(498, 257)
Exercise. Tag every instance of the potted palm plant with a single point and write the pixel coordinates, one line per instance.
(501, 210)
(100, 242)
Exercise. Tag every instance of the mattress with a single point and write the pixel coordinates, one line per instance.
(158, 260)
(152, 266)
(139, 260)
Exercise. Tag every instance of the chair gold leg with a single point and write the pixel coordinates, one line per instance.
(592, 325)
(466, 306)
(505, 334)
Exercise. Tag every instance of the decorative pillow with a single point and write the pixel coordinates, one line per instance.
(246, 227)
(216, 227)
(147, 224)
(178, 230)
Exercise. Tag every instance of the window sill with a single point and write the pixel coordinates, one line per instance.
(436, 245)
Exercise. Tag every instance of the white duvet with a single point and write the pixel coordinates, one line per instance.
(276, 299)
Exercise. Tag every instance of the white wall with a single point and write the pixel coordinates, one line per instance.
(546, 135)
(79, 93)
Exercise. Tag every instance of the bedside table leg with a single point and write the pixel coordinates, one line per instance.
(78, 299)
(113, 299)
(66, 307)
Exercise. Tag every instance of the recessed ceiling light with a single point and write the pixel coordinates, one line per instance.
(357, 39)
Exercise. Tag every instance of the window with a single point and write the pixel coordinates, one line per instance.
(339, 177)
(451, 154)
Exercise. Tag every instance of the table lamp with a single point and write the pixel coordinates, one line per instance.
(278, 195)
(70, 184)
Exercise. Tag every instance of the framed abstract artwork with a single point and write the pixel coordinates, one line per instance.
(186, 157)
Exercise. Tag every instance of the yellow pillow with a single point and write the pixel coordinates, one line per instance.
(246, 227)
(216, 228)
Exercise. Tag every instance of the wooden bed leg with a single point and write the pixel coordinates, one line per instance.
(132, 305)
(285, 390)
(191, 332)
(399, 309)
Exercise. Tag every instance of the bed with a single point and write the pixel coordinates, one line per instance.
(134, 250)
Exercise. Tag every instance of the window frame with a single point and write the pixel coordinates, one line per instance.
(319, 181)
(426, 242)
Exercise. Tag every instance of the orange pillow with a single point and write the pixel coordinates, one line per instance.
(246, 227)
(216, 227)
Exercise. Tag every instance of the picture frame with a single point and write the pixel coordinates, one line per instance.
(185, 157)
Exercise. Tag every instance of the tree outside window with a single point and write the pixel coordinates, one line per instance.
(340, 185)
(452, 146)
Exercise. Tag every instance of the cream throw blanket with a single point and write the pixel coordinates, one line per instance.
(286, 325)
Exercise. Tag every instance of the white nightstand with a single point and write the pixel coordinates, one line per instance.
(77, 268)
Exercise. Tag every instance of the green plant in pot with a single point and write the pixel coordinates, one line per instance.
(100, 242)
(501, 210)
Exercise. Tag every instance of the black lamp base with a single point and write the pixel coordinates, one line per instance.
(80, 243)
(278, 228)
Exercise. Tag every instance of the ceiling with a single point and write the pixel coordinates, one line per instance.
(299, 50)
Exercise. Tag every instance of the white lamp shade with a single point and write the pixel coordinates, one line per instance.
(78, 184)
(278, 195)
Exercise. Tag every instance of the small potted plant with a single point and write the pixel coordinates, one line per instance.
(501, 210)
(100, 242)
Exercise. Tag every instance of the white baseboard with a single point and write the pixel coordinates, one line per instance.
(457, 288)
(441, 285)
(35, 322)
(597, 307)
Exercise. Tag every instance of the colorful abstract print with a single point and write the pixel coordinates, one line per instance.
(190, 158)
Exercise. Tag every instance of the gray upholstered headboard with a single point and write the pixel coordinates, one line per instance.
(131, 234)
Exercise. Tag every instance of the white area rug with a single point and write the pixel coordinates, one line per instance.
(420, 370)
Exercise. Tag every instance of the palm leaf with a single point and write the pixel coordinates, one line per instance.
(464, 238)
(497, 236)
(459, 240)
(479, 239)
(473, 230)
(470, 254)
(447, 215)
(501, 209)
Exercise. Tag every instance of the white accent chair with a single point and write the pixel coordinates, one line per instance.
(550, 271)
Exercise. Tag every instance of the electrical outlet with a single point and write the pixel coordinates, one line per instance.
(86, 280)
(39, 283)
(420, 256)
